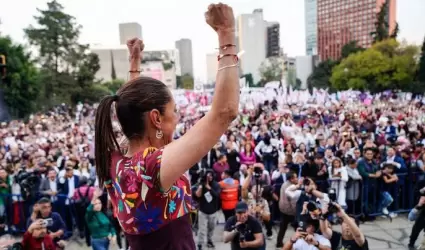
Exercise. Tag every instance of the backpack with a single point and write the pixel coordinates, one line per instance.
(83, 201)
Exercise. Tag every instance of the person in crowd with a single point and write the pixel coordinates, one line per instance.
(247, 156)
(243, 230)
(49, 185)
(56, 229)
(390, 178)
(154, 165)
(220, 166)
(232, 156)
(37, 237)
(353, 187)
(369, 170)
(229, 194)
(338, 178)
(350, 236)
(67, 186)
(306, 238)
(208, 194)
(102, 232)
(287, 207)
(5, 186)
(318, 171)
(267, 151)
(253, 196)
(82, 197)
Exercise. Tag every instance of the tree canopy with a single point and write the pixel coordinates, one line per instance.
(421, 67)
(387, 65)
(21, 86)
(271, 70)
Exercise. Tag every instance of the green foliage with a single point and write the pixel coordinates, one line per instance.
(179, 83)
(114, 85)
(271, 70)
(91, 94)
(350, 48)
(297, 84)
(421, 69)
(321, 75)
(167, 66)
(387, 65)
(396, 30)
(21, 85)
(187, 81)
(249, 79)
(68, 68)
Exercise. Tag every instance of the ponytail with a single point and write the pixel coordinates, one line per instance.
(104, 139)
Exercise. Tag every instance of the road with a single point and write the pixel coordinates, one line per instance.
(381, 234)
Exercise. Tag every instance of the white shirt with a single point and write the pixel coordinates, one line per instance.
(301, 244)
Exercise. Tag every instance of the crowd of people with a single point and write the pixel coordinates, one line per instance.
(270, 157)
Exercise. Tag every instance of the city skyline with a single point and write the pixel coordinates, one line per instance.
(163, 22)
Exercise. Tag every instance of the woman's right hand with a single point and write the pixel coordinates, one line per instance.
(220, 17)
(135, 47)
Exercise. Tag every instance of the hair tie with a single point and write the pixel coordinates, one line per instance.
(115, 98)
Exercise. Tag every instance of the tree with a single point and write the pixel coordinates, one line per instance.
(187, 81)
(387, 65)
(420, 76)
(321, 75)
(114, 85)
(113, 73)
(350, 48)
(291, 77)
(382, 26)
(22, 82)
(298, 84)
(271, 70)
(68, 67)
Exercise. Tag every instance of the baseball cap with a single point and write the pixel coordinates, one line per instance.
(241, 207)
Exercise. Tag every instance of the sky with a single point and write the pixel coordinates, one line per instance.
(165, 21)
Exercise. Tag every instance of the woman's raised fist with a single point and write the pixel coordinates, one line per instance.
(220, 17)
(135, 46)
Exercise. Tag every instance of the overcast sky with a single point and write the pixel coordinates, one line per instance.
(165, 21)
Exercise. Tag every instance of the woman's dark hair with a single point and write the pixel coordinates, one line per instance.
(132, 101)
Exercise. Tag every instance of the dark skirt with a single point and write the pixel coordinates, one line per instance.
(177, 235)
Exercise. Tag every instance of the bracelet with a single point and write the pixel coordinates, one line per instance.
(134, 71)
(226, 46)
(229, 66)
(219, 57)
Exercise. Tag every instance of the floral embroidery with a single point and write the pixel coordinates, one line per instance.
(147, 218)
(171, 207)
(131, 183)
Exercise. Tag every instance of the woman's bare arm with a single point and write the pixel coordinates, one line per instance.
(135, 47)
(181, 154)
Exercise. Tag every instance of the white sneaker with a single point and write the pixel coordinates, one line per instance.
(393, 215)
(385, 211)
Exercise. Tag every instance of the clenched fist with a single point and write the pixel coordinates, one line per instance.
(135, 46)
(220, 17)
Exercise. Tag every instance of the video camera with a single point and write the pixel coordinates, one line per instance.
(258, 171)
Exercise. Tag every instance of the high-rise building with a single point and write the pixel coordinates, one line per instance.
(129, 31)
(273, 39)
(184, 47)
(212, 66)
(118, 56)
(342, 21)
(251, 34)
(311, 26)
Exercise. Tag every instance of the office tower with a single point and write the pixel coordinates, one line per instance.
(129, 31)
(184, 47)
(251, 33)
(212, 66)
(112, 55)
(311, 26)
(273, 39)
(342, 21)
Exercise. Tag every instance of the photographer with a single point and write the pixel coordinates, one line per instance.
(243, 230)
(37, 237)
(43, 210)
(306, 238)
(208, 194)
(417, 214)
(350, 237)
(257, 205)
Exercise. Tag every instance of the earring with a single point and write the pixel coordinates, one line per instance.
(159, 134)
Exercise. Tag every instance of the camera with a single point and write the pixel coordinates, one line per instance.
(302, 225)
(258, 172)
(243, 231)
(47, 222)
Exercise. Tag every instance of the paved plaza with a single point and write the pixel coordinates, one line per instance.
(381, 234)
